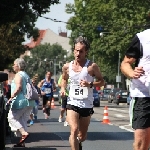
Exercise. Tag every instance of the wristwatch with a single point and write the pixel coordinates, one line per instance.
(91, 84)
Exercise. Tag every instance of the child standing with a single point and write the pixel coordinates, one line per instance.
(34, 112)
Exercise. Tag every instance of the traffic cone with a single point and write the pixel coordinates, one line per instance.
(105, 118)
(52, 103)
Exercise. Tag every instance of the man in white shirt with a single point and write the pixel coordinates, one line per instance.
(139, 54)
(81, 73)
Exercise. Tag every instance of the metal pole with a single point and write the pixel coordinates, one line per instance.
(55, 69)
(118, 69)
(93, 57)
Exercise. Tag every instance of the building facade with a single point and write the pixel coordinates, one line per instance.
(48, 36)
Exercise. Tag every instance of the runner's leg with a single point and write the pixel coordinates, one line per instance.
(73, 120)
(83, 128)
(141, 139)
(44, 102)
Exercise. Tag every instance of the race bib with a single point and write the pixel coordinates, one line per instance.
(47, 90)
(78, 92)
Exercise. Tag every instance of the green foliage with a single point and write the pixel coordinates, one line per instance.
(17, 20)
(43, 59)
(120, 20)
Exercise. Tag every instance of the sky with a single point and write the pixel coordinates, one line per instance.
(57, 11)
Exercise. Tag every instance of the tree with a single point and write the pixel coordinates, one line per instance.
(43, 58)
(17, 20)
(120, 19)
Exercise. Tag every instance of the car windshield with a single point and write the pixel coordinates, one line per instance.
(116, 90)
(106, 91)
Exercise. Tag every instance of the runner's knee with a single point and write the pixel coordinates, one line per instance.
(140, 143)
(82, 137)
(74, 131)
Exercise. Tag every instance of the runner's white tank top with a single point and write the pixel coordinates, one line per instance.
(75, 78)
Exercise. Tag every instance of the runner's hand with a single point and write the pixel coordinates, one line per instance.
(137, 72)
(42, 93)
(84, 83)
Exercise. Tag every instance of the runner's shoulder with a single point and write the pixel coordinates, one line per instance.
(42, 81)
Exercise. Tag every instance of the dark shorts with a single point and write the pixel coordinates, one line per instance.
(64, 102)
(45, 99)
(83, 112)
(141, 113)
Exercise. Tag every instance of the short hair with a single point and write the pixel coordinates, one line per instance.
(82, 40)
(49, 72)
(21, 63)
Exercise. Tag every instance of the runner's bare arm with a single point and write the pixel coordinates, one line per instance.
(41, 83)
(65, 76)
(126, 67)
(97, 73)
(127, 70)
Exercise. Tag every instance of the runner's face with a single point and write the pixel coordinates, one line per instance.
(48, 75)
(80, 52)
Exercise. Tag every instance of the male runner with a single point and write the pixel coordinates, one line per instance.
(81, 73)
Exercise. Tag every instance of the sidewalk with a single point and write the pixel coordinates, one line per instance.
(43, 134)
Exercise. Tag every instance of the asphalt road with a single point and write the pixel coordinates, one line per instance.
(52, 135)
(117, 114)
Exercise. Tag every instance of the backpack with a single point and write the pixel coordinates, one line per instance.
(31, 92)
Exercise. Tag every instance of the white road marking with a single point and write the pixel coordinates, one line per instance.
(120, 110)
(119, 115)
(123, 127)
(128, 125)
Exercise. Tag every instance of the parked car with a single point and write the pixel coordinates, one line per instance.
(3, 112)
(112, 93)
(56, 94)
(105, 93)
(129, 99)
(96, 97)
(121, 97)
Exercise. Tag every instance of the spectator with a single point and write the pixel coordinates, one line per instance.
(34, 111)
(20, 106)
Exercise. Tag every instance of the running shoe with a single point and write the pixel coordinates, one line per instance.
(66, 123)
(31, 122)
(60, 119)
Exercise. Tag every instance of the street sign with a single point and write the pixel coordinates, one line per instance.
(118, 78)
(99, 28)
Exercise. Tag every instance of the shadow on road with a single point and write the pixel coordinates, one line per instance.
(32, 148)
(38, 137)
(120, 136)
(41, 141)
